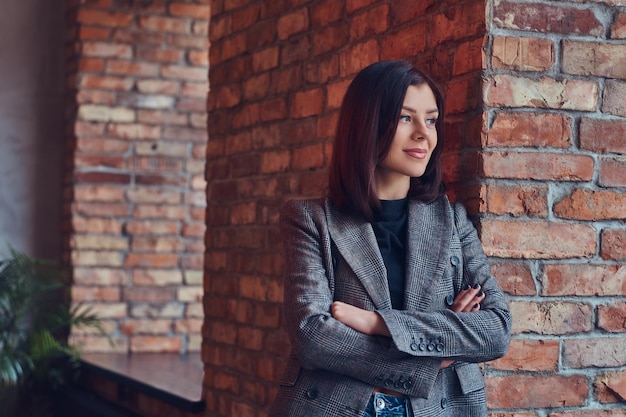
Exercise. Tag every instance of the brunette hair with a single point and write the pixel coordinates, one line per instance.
(367, 124)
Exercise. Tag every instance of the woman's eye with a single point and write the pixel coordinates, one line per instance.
(405, 118)
(431, 121)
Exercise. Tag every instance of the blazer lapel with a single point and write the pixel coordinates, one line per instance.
(429, 232)
(356, 242)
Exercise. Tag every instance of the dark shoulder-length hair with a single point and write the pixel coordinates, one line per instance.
(367, 124)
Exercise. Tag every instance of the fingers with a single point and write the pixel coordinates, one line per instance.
(468, 300)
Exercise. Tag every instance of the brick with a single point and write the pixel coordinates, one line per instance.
(406, 10)
(330, 38)
(141, 69)
(157, 277)
(613, 99)
(516, 201)
(594, 351)
(463, 95)
(541, 391)
(612, 317)
(612, 172)
(603, 136)
(99, 193)
(97, 113)
(529, 355)
(189, 42)
(149, 294)
(155, 196)
(407, 42)
(86, 161)
(96, 97)
(530, 130)
(233, 46)
(594, 58)
(353, 5)
(156, 244)
(286, 79)
(166, 149)
(131, 327)
(93, 33)
(106, 82)
(276, 161)
(522, 53)
(161, 310)
(335, 93)
(514, 277)
(510, 91)
(544, 18)
(613, 244)
(358, 56)
(159, 211)
(98, 242)
(99, 344)
(102, 178)
(110, 146)
(610, 387)
(292, 23)
(164, 24)
(184, 73)
(133, 131)
(99, 276)
(551, 317)
(185, 134)
(584, 204)
(307, 103)
(273, 109)
(537, 239)
(190, 294)
(96, 258)
(309, 157)
(590, 413)
(188, 326)
(195, 11)
(150, 260)
(104, 18)
(107, 50)
(371, 22)
(538, 166)
(326, 12)
(82, 294)
(295, 50)
(138, 38)
(462, 21)
(162, 55)
(468, 57)
(583, 280)
(246, 18)
(155, 344)
(618, 30)
(151, 227)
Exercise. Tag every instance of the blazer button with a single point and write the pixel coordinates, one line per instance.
(431, 346)
(454, 260)
(444, 403)
(422, 345)
(449, 300)
(439, 347)
(311, 394)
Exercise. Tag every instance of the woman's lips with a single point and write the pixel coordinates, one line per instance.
(416, 153)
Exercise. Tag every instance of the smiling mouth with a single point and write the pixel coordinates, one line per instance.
(417, 153)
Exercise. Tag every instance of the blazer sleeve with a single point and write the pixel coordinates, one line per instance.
(470, 337)
(318, 340)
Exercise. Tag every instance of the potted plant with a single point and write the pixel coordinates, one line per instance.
(35, 317)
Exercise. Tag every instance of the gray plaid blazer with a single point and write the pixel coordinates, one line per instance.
(332, 368)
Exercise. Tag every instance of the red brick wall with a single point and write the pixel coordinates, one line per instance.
(278, 74)
(553, 203)
(134, 202)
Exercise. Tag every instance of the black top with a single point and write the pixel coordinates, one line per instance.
(390, 229)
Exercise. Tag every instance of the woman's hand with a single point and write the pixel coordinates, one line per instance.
(468, 300)
(364, 321)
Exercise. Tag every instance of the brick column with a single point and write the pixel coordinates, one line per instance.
(553, 202)
(134, 199)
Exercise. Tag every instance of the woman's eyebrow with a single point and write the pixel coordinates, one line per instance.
(412, 110)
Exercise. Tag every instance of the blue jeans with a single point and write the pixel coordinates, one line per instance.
(383, 405)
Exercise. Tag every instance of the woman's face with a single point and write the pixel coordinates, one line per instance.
(412, 145)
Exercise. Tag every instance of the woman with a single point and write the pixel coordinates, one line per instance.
(389, 302)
